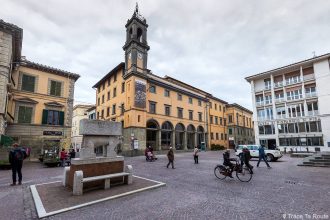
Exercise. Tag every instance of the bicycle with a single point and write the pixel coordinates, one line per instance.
(244, 173)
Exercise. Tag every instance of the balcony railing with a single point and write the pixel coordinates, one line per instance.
(279, 100)
(295, 97)
(311, 94)
(260, 103)
(267, 87)
(311, 113)
(278, 84)
(309, 77)
(292, 81)
(267, 102)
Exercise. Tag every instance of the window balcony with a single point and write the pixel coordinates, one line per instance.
(260, 103)
(267, 102)
(278, 84)
(268, 87)
(295, 97)
(279, 100)
(292, 81)
(309, 77)
(311, 95)
(312, 113)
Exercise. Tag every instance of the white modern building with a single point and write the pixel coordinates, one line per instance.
(291, 105)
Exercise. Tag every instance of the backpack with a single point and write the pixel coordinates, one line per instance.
(19, 155)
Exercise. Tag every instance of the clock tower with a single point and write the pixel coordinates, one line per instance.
(136, 45)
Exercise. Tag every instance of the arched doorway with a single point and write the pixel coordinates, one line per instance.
(152, 134)
(179, 136)
(200, 135)
(166, 135)
(190, 137)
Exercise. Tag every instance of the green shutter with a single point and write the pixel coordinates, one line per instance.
(61, 118)
(44, 116)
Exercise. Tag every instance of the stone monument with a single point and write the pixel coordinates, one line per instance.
(97, 133)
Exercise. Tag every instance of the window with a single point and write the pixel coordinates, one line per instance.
(109, 81)
(267, 83)
(113, 109)
(230, 131)
(115, 77)
(108, 95)
(180, 112)
(103, 85)
(167, 93)
(191, 115)
(199, 103)
(294, 95)
(108, 111)
(217, 136)
(98, 115)
(98, 101)
(102, 114)
(55, 88)
(24, 114)
(179, 97)
(200, 116)
(224, 122)
(221, 136)
(211, 119)
(167, 110)
(99, 89)
(220, 108)
(114, 92)
(210, 105)
(123, 87)
(216, 120)
(212, 136)
(152, 89)
(215, 106)
(122, 109)
(230, 119)
(190, 100)
(102, 99)
(28, 83)
(152, 107)
(51, 117)
(225, 136)
(237, 121)
(220, 120)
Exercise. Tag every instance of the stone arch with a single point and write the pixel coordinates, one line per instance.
(152, 134)
(166, 135)
(200, 135)
(191, 134)
(179, 136)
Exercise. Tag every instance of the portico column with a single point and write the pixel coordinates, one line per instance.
(159, 139)
(173, 139)
(185, 142)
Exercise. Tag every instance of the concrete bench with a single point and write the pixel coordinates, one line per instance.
(79, 180)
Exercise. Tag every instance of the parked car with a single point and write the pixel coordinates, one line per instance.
(271, 155)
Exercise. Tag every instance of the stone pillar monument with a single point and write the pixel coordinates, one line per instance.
(102, 134)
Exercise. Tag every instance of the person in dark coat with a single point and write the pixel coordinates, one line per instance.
(227, 162)
(246, 156)
(170, 156)
(262, 156)
(16, 157)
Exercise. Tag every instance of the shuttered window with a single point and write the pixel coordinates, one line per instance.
(51, 117)
(24, 114)
(55, 88)
(28, 83)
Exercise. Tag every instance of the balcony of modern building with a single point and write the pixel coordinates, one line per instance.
(308, 74)
(294, 93)
(310, 91)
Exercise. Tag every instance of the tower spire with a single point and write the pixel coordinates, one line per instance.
(137, 8)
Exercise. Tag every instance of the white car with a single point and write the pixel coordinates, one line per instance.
(271, 155)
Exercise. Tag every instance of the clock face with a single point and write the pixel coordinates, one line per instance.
(140, 55)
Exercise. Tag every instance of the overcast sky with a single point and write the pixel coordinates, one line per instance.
(212, 45)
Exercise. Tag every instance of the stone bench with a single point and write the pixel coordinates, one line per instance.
(79, 180)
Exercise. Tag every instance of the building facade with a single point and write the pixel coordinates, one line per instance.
(79, 112)
(10, 55)
(157, 111)
(39, 111)
(240, 125)
(291, 105)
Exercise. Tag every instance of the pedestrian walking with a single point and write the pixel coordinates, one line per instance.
(196, 150)
(170, 156)
(262, 156)
(63, 156)
(16, 157)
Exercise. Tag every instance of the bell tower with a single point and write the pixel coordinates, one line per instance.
(136, 45)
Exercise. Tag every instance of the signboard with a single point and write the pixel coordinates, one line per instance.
(231, 138)
(140, 94)
(53, 133)
(136, 144)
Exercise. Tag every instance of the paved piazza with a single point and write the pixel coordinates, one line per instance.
(192, 192)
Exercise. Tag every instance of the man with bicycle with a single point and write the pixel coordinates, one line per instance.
(226, 162)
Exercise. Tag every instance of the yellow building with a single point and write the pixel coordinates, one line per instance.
(39, 111)
(157, 111)
(240, 125)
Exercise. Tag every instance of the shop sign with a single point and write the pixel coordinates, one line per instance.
(53, 133)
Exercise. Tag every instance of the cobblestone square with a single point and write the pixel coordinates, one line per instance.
(192, 192)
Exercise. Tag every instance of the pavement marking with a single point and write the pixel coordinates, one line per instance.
(42, 212)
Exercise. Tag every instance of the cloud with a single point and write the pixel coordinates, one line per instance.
(211, 45)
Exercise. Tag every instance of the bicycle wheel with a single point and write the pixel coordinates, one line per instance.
(245, 175)
(220, 172)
